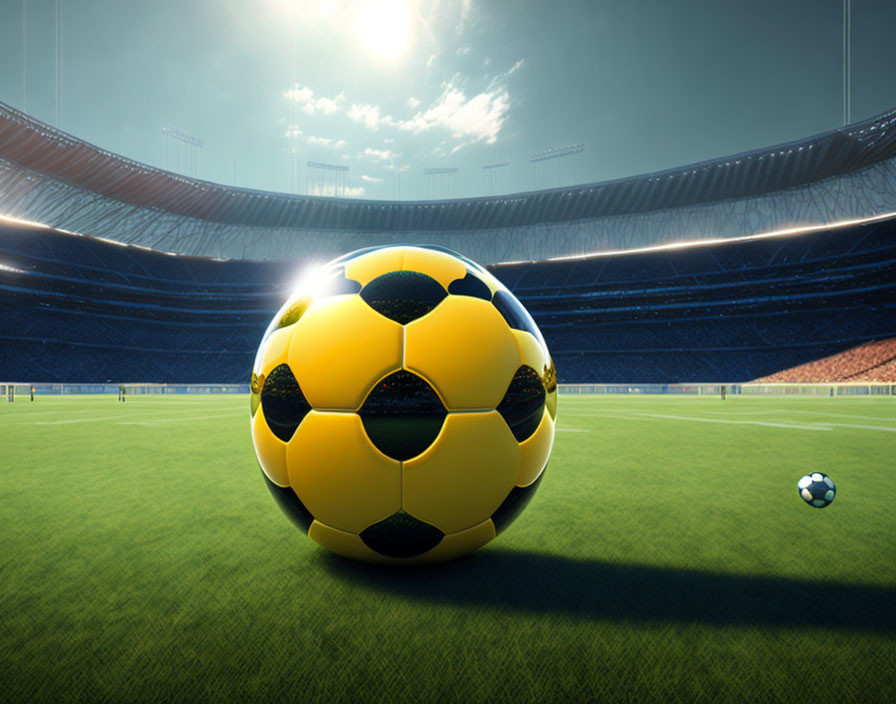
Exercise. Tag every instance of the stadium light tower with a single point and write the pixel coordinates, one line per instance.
(338, 170)
(58, 71)
(847, 68)
(441, 173)
(191, 154)
(555, 153)
(24, 55)
(493, 173)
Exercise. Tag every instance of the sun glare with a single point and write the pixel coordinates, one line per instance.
(382, 25)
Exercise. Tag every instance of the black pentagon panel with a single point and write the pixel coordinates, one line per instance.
(401, 536)
(290, 504)
(402, 415)
(282, 402)
(523, 404)
(403, 296)
(518, 498)
(516, 316)
(470, 285)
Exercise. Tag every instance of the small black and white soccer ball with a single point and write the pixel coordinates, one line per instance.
(817, 489)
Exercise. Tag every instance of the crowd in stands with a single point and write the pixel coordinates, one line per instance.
(871, 362)
(77, 309)
(729, 312)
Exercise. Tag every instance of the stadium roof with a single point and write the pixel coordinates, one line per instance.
(38, 147)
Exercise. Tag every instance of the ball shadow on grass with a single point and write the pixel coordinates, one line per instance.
(510, 581)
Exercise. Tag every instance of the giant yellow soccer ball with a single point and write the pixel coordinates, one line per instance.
(403, 405)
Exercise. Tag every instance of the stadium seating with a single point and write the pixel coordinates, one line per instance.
(728, 312)
(78, 309)
(871, 362)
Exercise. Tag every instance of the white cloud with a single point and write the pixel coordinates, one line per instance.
(369, 116)
(371, 179)
(304, 96)
(464, 50)
(413, 103)
(379, 154)
(340, 143)
(319, 140)
(518, 65)
(298, 94)
(476, 119)
(292, 132)
(399, 169)
(501, 78)
(327, 106)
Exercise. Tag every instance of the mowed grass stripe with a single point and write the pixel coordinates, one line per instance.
(660, 561)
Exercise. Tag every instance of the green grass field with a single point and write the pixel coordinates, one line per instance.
(666, 557)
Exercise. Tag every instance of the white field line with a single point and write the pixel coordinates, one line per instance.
(864, 427)
(643, 416)
(167, 418)
(815, 413)
(178, 420)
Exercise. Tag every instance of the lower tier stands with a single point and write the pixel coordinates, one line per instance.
(76, 309)
(871, 362)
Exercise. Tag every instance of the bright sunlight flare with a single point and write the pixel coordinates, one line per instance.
(383, 27)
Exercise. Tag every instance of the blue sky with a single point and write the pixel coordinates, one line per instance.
(389, 88)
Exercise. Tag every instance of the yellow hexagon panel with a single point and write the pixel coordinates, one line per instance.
(274, 346)
(465, 474)
(276, 350)
(550, 385)
(367, 267)
(456, 544)
(441, 266)
(466, 351)
(272, 353)
(535, 450)
(339, 475)
(532, 352)
(340, 348)
(270, 451)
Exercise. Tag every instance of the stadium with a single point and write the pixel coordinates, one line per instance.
(718, 329)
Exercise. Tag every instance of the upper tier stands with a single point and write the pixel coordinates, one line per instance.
(79, 309)
(55, 178)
